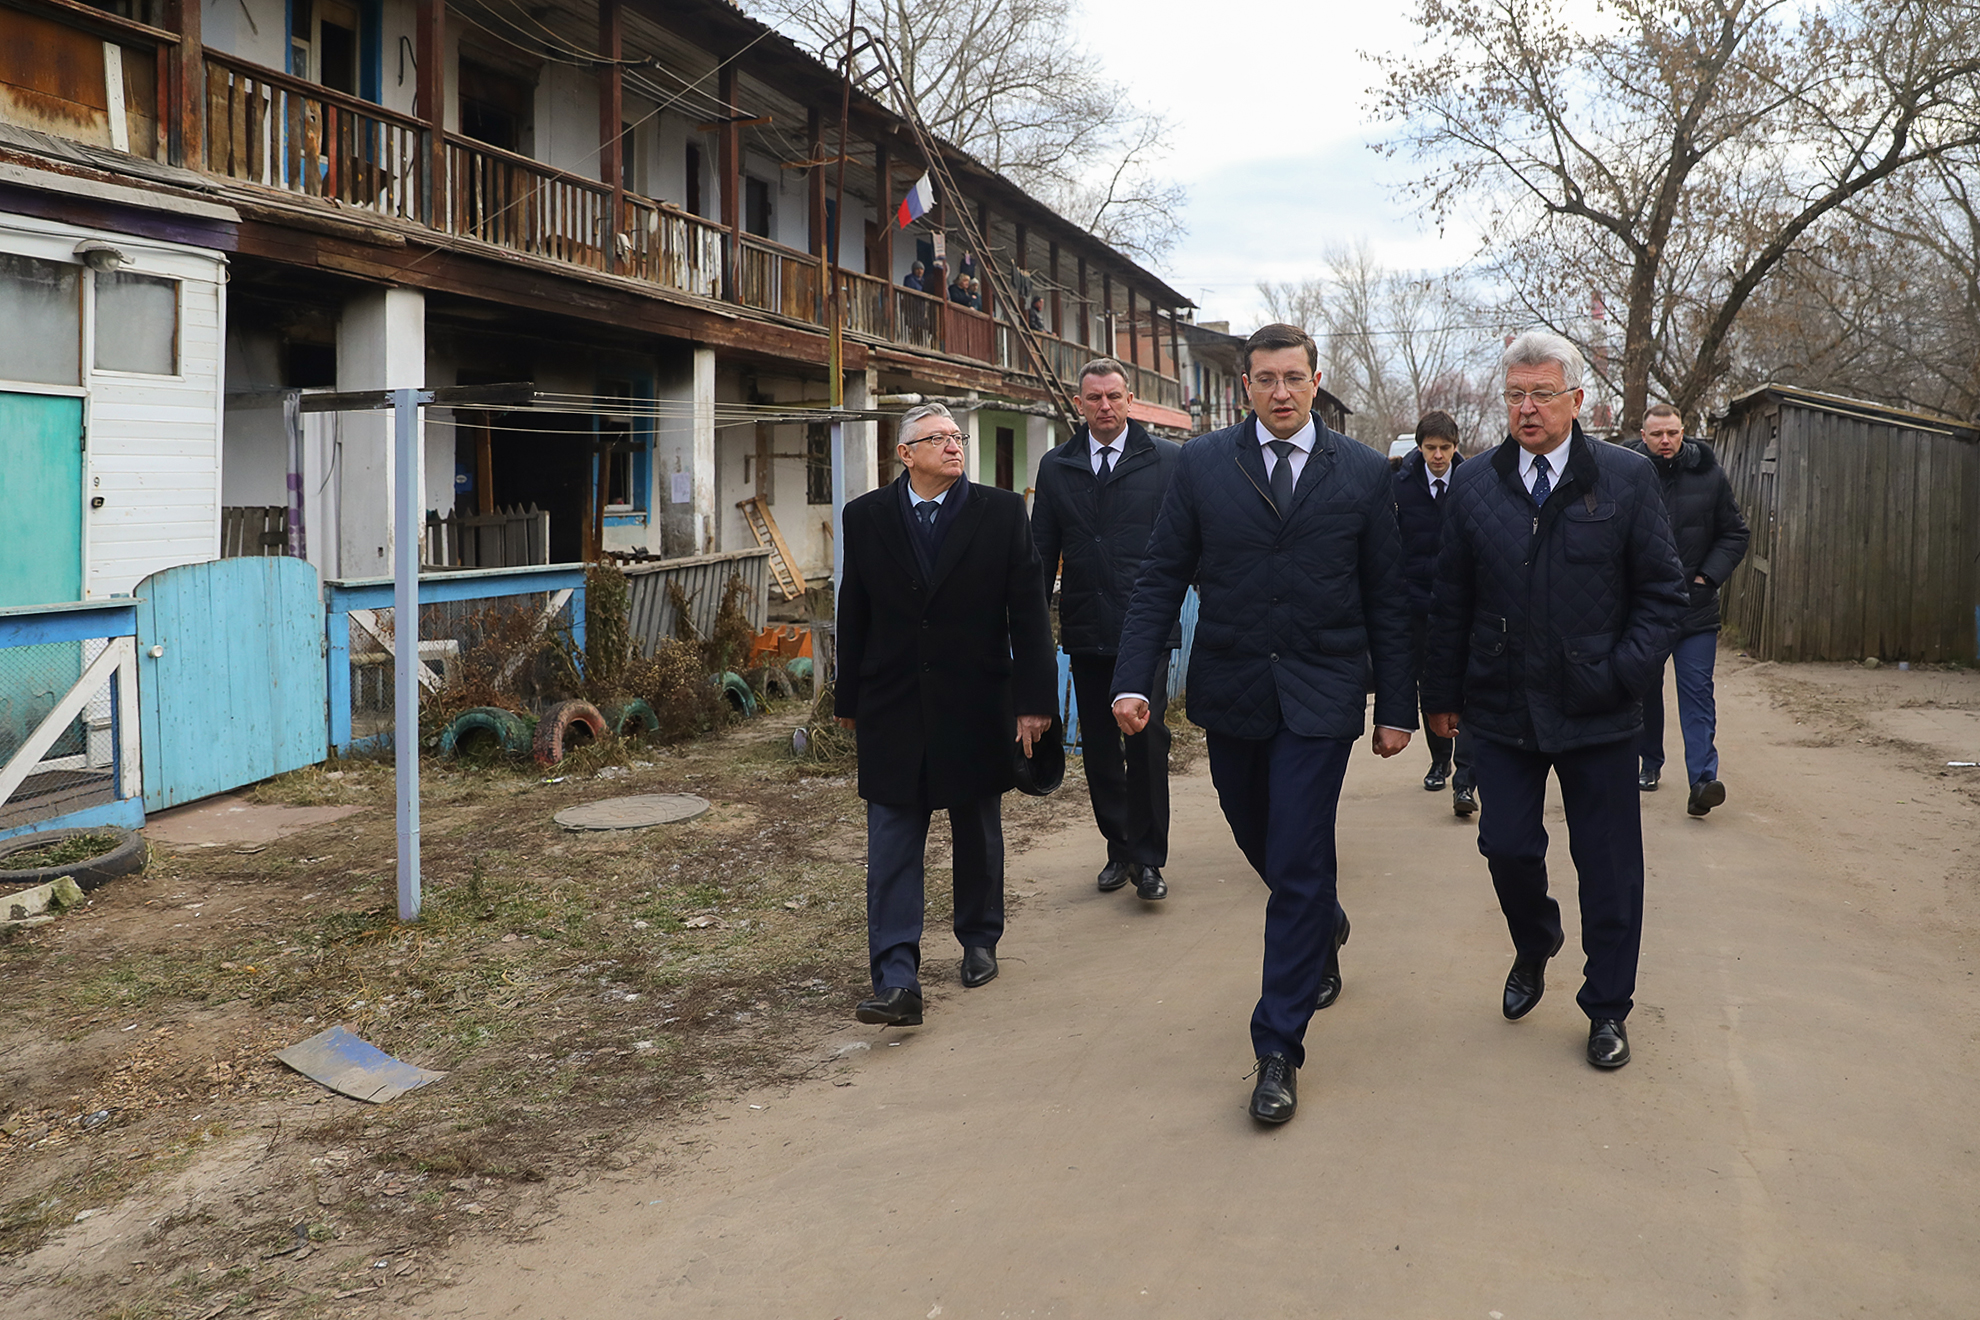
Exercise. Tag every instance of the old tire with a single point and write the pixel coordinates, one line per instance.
(127, 858)
(630, 719)
(565, 727)
(472, 730)
(737, 691)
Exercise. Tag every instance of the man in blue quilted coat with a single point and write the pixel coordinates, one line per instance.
(1288, 530)
(1558, 592)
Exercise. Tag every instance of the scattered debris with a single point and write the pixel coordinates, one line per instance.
(354, 1067)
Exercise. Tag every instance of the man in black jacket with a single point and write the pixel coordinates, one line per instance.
(1288, 530)
(1711, 540)
(1098, 494)
(1421, 481)
(943, 646)
(1557, 594)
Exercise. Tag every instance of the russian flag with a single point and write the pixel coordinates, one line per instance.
(918, 201)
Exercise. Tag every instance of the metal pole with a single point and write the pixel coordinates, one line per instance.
(838, 510)
(405, 639)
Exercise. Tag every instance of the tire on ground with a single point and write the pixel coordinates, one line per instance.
(508, 728)
(127, 858)
(565, 727)
(628, 719)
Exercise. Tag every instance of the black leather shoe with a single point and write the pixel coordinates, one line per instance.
(1330, 975)
(892, 1007)
(1149, 884)
(1647, 780)
(1608, 1043)
(1276, 1096)
(1705, 794)
(1464, 801)
(1115, 875)
(1440, 775)
(1526, 982)
(979, 967)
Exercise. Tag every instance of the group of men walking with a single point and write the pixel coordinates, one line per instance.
(1524, 601)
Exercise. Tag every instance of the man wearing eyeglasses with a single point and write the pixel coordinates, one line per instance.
(1095, 508)
(944, 647)
(1288, 530)
(1557, 594)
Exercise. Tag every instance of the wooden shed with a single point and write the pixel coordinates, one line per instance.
(1866, 528)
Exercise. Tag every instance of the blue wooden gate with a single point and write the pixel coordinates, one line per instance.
(231, 682)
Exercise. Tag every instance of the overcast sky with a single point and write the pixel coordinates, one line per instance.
(1271, 136)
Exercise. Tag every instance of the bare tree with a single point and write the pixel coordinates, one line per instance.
(1001, 80)
(1393, 344)
(1674, 152)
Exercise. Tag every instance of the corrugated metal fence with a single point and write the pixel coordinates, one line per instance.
(702, 579)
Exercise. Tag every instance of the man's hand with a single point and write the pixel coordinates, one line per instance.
(1390, 741)
(1031, 728)
(846, 721)
(1443, 725)
(1131, 713)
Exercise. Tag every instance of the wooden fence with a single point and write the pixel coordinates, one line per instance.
(508, 538)
(1865, 539)
(253, 529)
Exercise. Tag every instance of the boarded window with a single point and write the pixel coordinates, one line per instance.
(41, 334)
(817, 463)
(756, 216)
(137, 324)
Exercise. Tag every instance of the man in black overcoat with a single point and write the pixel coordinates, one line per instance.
(1422, 481)
(1711, 539)
(944, 650)
(1098, 494)
(1288, 530)
(1557, 594)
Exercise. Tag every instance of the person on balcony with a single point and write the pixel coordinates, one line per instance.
(1035, 314)
(916, 278)
(961, 294)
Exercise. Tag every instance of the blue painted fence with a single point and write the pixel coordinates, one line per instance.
(1178, 673)
(68, 738)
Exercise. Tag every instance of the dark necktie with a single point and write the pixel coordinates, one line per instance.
(1106, 463)
(1541, 485)
(1437, 489)
(1282, 476)
(926, 511)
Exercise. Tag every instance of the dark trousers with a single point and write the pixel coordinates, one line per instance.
(1605, 838)
(896, 843)
(1692, 659)
(1279, 794)
(1127, 778)
(1443, 751)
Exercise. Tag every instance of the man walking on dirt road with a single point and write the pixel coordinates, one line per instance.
(1288, 530)
(1098, 494)
(1711, 540)
(944, 646)
(1557, 593)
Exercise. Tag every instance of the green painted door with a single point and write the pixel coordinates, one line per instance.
(41, 488)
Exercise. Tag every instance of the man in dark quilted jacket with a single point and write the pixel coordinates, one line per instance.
(1288, 530)
(1558, 592)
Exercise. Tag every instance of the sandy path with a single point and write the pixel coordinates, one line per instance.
(1794, 1138)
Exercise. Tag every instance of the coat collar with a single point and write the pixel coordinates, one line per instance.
(1581, 465)
(1319, 462)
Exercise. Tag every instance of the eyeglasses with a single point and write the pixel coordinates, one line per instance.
(1541, 398)
(948, 439)
(1270, 383)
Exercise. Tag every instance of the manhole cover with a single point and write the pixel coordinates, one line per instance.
(633, 813)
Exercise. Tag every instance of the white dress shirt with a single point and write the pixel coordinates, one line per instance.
(1432, 479)
(1302, 443)
(1095, 447)
(916, 501)
(1556, 464)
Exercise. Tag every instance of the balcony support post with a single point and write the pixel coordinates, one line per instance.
(884, 250)
(186, 128)
(729, 157)
(988, 297)
(1086, 310)
(1058, 299)
(1134, 330)
(430, 105)
(1111, 333)
(611, 124)
(1175, 344)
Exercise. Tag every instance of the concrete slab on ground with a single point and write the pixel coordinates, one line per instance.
(227, 821)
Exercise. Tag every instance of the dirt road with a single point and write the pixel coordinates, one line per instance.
(1795, 1136)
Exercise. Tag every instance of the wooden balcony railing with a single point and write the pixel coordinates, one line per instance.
(968, 333)
(918, 319)
(524, 205)
(1155, 387)
(671, 248)
(864, 298)
(773, 278)
(268, 128)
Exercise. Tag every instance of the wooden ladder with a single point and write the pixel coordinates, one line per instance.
(782, 567)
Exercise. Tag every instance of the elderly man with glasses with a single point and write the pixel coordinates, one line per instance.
(1557, 594)
(944, 660)
(1288, 530)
